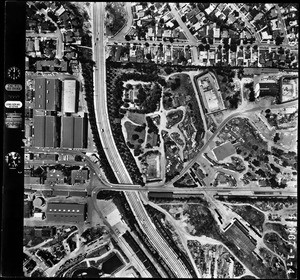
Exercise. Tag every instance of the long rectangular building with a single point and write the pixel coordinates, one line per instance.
(40, 87)
(80, 132)
(67, 132)
(66, 212)
(51, 132)
(70, 96)
(53, 90)
(39, 131)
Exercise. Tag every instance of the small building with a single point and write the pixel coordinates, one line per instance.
(66, 212)
(39, 215)
(223, 151)
(55, 177)
(153, 171)
(269, 88)
(79, 176)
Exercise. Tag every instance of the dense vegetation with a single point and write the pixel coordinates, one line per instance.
(114, 94)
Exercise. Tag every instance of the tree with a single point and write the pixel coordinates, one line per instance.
(279, 40)
(171, 40)
(183, 18)
(251, 95)
(148, 56)
(168, 70)
(127, 38)
(233, 47)
(135, 137)
(207, 47)
(204, 41)
(281, 50)
(201, 48)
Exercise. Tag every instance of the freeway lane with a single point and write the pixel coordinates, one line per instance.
(101, 111)
(100, 97)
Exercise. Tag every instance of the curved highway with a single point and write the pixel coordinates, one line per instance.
(101, 111)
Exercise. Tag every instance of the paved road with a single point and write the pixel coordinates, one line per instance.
(100, 103)
(100, 97)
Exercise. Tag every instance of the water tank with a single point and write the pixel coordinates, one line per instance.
(39, 202)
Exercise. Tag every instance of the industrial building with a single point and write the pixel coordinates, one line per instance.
(70, 96)
(66, 212)
(80, 132)
(74, 132)
(46, 131)
(51, 136)
(53, 92)
(39, 131)
(67, 132)
(79, 176)
(40, 98)
(47, 94)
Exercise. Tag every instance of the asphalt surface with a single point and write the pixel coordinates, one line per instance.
(100, 103)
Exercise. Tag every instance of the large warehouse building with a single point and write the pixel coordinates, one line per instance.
(40, 98)
(53, 92)
(66, 212)
(39, 131)
(47, 94)
(46, 131)
(74, 132)
(67, 139)
(70, 96)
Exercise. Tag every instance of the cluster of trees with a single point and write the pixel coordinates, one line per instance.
(234, 100)
(151, 125)
(118, 19)
(174, 83)
(249, 86)
(115, 92)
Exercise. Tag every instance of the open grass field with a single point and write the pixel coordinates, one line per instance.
(137, 118)
(135, 134)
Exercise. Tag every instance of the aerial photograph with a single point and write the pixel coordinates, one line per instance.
(160, 140)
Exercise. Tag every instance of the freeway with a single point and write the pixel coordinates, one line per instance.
(102, 118)
(100, 97)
